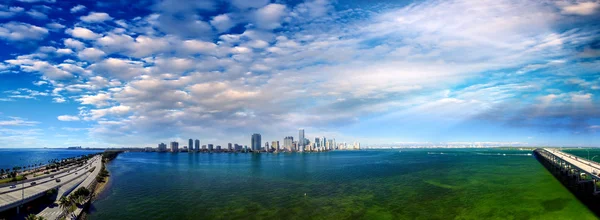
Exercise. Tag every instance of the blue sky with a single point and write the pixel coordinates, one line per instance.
(137, 73)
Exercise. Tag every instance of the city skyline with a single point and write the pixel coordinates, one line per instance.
(133, 74)
(320, 144)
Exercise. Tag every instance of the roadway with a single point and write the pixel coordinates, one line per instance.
(581, 163)
(10, 198)
(54, 212)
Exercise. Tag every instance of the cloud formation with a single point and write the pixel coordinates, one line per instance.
(184, 68)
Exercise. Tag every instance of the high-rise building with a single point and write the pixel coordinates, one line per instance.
(255, 142)
(229, 147)
(174, 146)
(197, 145)
(204, 147)
(287, 143)
(218, 148)
(275, 145)
(267, 149)
(301, 142)
(191, 145)
(162, 147)
(210, 147)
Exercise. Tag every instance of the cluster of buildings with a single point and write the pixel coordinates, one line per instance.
(289, 145)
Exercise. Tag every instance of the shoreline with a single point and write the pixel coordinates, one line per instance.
(100, 188)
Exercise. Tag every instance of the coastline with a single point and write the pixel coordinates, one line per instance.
(100, 187)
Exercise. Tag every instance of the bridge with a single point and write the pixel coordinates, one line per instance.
(14, 196)
(578, 172)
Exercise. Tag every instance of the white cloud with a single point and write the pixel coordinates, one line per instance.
(16, 121)
(82, 33)
(64, 51)
(581, 8)
(91, 54)
(77, 8)
(55, 26)
(18, 31)
(222, 23)
(68, 118)
(115, 110)
(270, 16)
(7, 12)
(98, 100)
(96, 17)
(37, 14)
(75, 44)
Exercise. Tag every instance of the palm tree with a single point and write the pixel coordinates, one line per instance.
(66, 204)
(34, 217)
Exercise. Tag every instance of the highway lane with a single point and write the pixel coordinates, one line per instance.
(53, 212)
(585, 165)
(49, 177)
(12, 199)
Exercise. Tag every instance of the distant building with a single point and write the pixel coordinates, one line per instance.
(218, 148)
(190, 145)
(256, 142)
(204, 147)
(229, 147)
(197, 145)
(288, 142)
(275, 145)
(301, 138)
(174, 146)
(267, 147)
(162, 147)
(210, 147)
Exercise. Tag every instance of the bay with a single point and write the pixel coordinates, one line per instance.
(383, 184)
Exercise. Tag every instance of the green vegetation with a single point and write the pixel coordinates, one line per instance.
(110, 154)
(34, 217)
(76, 198)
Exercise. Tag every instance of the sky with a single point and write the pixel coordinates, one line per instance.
(137, 73)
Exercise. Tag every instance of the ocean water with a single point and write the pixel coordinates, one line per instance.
(386, 184)
(10, 158)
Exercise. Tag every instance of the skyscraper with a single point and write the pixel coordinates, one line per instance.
(197, 145)
(191, 145)
(301, 139)
(229, 147)
(287, 143)
(162, 147)
(174, 146)
(255, 146)
(210, 147)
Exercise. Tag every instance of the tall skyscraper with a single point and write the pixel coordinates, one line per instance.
(255, 146)
(162, 147)
(174, 146)
(229, 147)
(301, 139)
(190, 145)
(197, 145)
(267, 149)
(210, 147)
(287, 143)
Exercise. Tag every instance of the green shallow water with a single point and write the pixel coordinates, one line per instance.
(390, 184)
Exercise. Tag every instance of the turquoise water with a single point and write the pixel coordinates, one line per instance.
(10, 158)
(391, 184)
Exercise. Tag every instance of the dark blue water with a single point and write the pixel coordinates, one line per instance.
(10, 158)
(392, 184)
